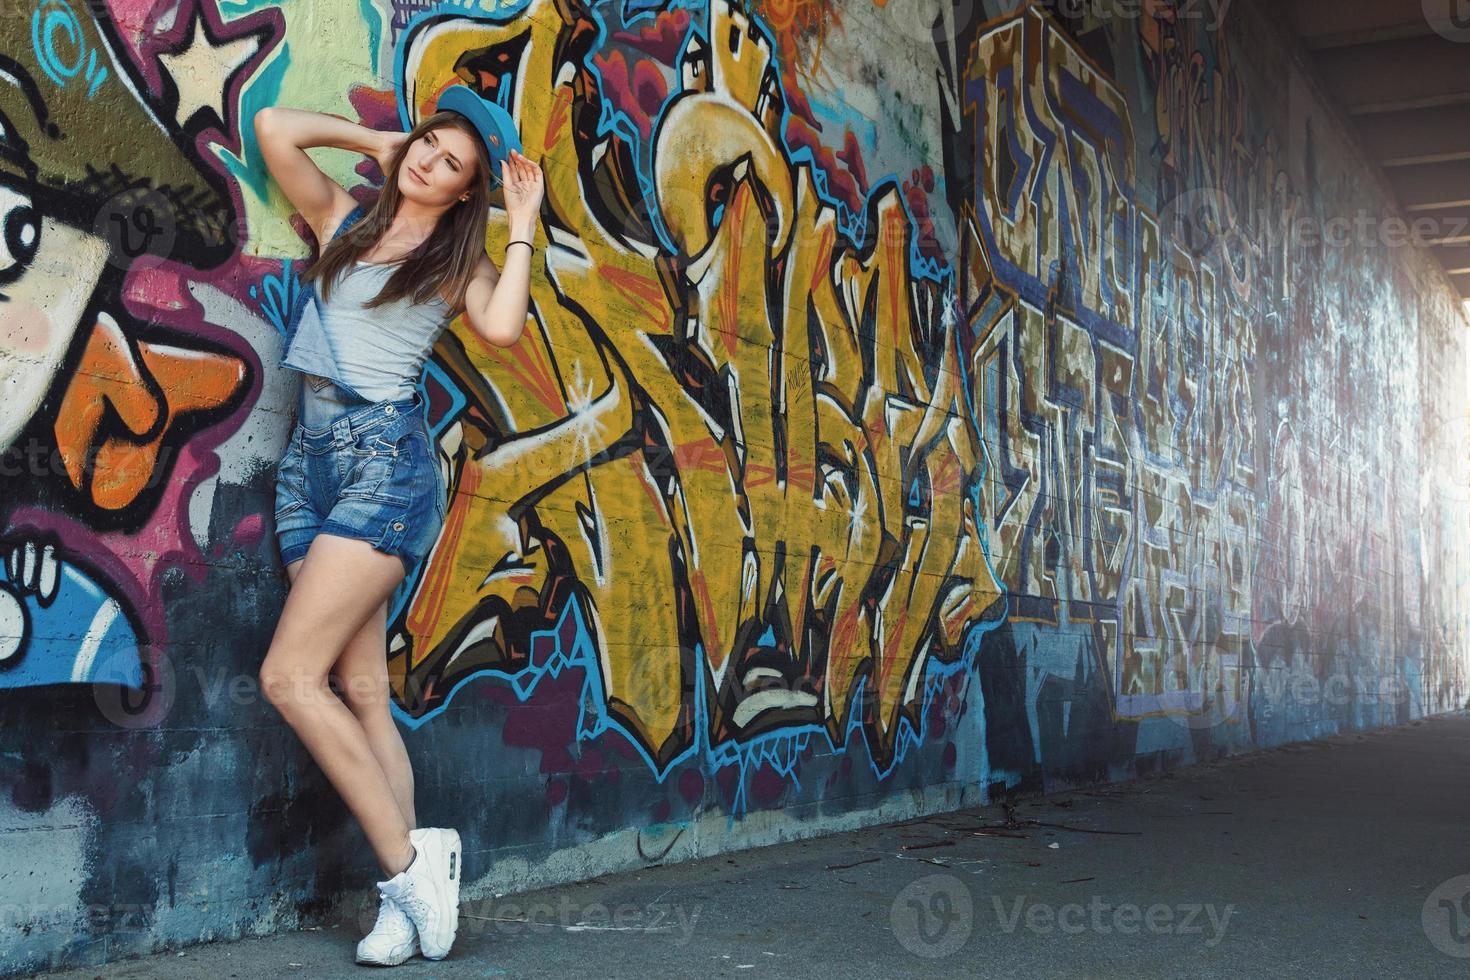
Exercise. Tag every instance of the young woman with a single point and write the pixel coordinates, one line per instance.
(359, 493)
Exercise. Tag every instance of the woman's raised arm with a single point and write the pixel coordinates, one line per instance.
(285, 134)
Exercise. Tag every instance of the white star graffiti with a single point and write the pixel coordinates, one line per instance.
(201, 71)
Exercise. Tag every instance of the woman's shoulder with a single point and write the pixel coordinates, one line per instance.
(340, 221)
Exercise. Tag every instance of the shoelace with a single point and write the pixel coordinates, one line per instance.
(415, 907)
(391, 915)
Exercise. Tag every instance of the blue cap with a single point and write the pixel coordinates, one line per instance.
(494, 124)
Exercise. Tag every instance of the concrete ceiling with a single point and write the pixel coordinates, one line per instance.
(1401, 70)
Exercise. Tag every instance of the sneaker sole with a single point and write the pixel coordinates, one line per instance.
(444, 856)
(403, 955)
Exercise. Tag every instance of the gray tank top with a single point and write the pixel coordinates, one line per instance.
(377, 353)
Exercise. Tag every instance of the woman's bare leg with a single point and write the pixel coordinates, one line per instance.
(362, 677)
(338, 588)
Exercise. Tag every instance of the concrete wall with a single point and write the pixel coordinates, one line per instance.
(924, 402)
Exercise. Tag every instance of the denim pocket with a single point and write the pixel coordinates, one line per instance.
(381, 467)
(381, 434)
(291, 480)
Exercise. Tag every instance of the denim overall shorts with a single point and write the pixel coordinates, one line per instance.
(372, 473)
(354, 467)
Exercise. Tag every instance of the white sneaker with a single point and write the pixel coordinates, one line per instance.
(428, 889)
(393, 939)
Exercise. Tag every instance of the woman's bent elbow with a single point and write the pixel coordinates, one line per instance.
(262, 120)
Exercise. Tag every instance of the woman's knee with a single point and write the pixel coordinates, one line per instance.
(365, 695)
(286, 687)
(272, 683)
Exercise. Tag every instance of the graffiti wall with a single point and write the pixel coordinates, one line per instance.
(921, 403)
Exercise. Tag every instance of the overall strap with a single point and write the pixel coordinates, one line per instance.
(307, 292)
(352, 218)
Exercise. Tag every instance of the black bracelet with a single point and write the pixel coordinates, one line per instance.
(517, 241)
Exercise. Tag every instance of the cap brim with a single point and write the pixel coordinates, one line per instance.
(494, 124)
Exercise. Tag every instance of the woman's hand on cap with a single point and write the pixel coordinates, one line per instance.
(524, 187)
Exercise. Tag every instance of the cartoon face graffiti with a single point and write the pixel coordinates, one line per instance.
(92, 181)
(34, 343)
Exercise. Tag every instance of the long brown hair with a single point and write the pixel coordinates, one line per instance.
(445, 261)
